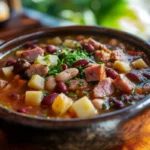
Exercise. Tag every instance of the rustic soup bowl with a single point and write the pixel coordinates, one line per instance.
(100, 132)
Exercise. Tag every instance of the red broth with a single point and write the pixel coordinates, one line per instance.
(73, 77)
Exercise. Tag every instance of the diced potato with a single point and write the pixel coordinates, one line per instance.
(70, 43)
(53, 59)
(84, 108)
(33, 98)
(61, 104)
(139, 64)
(18, 53)
(8, 71)
(55, 41)
(36, 82)
(122, 66)
(40, 60)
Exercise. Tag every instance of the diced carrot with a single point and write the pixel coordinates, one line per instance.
(139, 91)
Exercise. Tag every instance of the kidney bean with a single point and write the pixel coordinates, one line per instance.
(14, 96)
(147, 75)
(61, 87)
(88, 47)
(119, 104)
(20, 65)
(48, 100)
(10, 62)
(81, 62)
(134, 77)
(111, 73)
(22, 110)
(64, 66)
(51, 49)
(31, 45)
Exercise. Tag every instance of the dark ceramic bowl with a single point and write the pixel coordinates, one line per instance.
(97, 133)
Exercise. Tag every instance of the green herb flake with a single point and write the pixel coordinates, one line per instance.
(68, 82)
(45, 93)
(122, 98)
(133, 93)
(104, 107)
(100, 63)
(111, 104)
(44, 115)
(80, 84)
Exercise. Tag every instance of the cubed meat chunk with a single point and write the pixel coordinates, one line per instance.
(94, 43)
(146, 87)
(95, 73)
(80, 84)
(101, 56)
(3, 83)
(39, 69)
(31, 55)
(123, 84)
(118, 55)
(103, 88)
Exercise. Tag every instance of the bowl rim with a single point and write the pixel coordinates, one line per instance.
(141, 105)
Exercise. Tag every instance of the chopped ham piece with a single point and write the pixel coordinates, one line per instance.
(119, 55)
(96, 45)
(95, 73)
(101, 56)
(31, 55)
(123, 84)
(103, 88)
(39, 69)
(3, 83)
(80, 84)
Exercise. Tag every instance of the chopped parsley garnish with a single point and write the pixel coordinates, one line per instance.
(44, 115)
(122, 98)
(81, 72)
(67, 82)
(69, 57)
(104, 107)
(111, 104)
(100, 63)
(45, 93)
(80, 83)
(133, 93)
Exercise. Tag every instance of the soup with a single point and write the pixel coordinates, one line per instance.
(73, 77)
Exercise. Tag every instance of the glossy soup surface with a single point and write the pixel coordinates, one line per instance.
(73, 77)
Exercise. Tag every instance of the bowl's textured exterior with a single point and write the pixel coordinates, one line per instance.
(97, 133)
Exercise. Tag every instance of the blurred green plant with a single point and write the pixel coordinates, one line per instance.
(110, 13)
(82, 11)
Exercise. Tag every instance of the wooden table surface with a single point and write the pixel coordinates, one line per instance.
(23, 24)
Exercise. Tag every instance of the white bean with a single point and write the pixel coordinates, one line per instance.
(50, 83)
(67, 74)
(146, 87)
